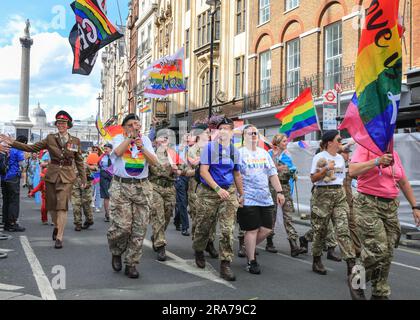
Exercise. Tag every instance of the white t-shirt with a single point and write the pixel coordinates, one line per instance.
(339, 168)
(256, 168)
(132, 164)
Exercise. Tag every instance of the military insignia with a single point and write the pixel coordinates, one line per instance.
(72, 147)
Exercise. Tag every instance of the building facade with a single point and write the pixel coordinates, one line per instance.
(295, 44)
(114, 79)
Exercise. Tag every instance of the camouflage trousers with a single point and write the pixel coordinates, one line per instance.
(330, 240)
(379, 231)
(129, 213)
(287, 209)
(164, 200)
(330, 204)
(352, 220)
(192, 204)
(210, 209)
(81, 199)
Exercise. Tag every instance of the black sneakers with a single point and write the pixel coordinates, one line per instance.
(14, 228)
(253, 267)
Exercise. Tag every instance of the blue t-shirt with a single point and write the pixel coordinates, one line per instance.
(15, 156)
(221, 166)
(256, 167)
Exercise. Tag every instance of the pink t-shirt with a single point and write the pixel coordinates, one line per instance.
(380, 182)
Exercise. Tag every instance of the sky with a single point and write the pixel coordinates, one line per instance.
(52, 83)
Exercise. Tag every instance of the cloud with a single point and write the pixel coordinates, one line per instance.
(51, 82)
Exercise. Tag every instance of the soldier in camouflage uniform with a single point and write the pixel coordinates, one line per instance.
(130, 195)
(329, 203)
(286, 171)
(380, 180)
(217, 198)
(81, 199)
(201, 134)
(162, 177)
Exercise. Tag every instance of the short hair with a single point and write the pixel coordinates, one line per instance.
(22, 139)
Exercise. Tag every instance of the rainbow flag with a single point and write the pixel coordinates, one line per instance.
(109, 132)
(372, 113)
(96, 176)
(299, 117)
(146, 109)
(92, 32)
(165, 76)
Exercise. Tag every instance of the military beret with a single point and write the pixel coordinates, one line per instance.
(329, 135)
(225, 121)
(130, 116)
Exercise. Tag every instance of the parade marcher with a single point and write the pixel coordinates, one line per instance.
(81, 199)
(162, 177)
(105, 167)
(31, 170)
(201, 134)
(41, 187)
(130, 195)
(329, 202)
(379, 180)
(64, 151)
(255, 217)
(10, 186)
(286, 171)
(218, 198)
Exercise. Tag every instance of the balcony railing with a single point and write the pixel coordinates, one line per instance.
(281, 94)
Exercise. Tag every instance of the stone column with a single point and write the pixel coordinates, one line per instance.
(23, 123)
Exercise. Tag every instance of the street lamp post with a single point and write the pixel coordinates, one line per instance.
(212, 3)
(99, 98)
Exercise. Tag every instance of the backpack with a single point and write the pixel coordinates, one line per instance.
(197, 175)
(4, 163)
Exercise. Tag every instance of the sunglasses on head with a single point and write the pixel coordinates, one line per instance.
(339, 140)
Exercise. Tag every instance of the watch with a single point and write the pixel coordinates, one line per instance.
(281, 192)
(416, 207)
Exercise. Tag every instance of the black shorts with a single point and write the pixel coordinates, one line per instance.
(104, 185)
(254, 217)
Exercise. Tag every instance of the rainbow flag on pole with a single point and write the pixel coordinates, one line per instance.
(299, 117)
(145, 109)
(371, 116)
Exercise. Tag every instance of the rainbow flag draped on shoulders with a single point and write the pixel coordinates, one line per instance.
(299, 117)
(371, 116)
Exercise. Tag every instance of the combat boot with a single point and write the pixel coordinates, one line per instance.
(355, 293)
(78, 227)
(331, 255)
(226, 272)
(294, 249)
(303, 244)
(116, 263)
(161, 254)
(318, 267)
(87, 224)
(241, 252)
(200, 261)
(212, 250)
(131, 272)
(270, 245)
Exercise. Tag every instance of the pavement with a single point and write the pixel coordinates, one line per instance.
(82, 269)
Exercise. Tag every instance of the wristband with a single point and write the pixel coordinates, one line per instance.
(416, 207)
(281, 192)
(217, 189)
(377, 162)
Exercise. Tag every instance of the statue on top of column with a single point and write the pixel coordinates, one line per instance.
(28, 25)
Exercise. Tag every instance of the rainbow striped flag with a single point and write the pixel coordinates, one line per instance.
(299, 117)
(108, 132)
(145, 109)
(372, 113)
(92, 32)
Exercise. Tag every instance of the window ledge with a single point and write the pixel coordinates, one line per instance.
(264, 23)
(290, 10)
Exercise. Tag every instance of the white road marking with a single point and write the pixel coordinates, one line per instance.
(189, 266)
(9, 287)
(409, 251)
(6, 250)
(405, 266)
(44, 286)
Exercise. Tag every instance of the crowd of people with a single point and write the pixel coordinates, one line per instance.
(211, 184)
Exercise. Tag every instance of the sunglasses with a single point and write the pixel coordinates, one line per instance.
(252, 133)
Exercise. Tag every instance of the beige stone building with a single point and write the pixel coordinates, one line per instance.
(294, 44)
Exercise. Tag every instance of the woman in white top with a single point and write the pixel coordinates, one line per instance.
(255, 217)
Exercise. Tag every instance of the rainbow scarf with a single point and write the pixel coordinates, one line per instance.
(92, 32)
(372, 113)
(299, 117)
